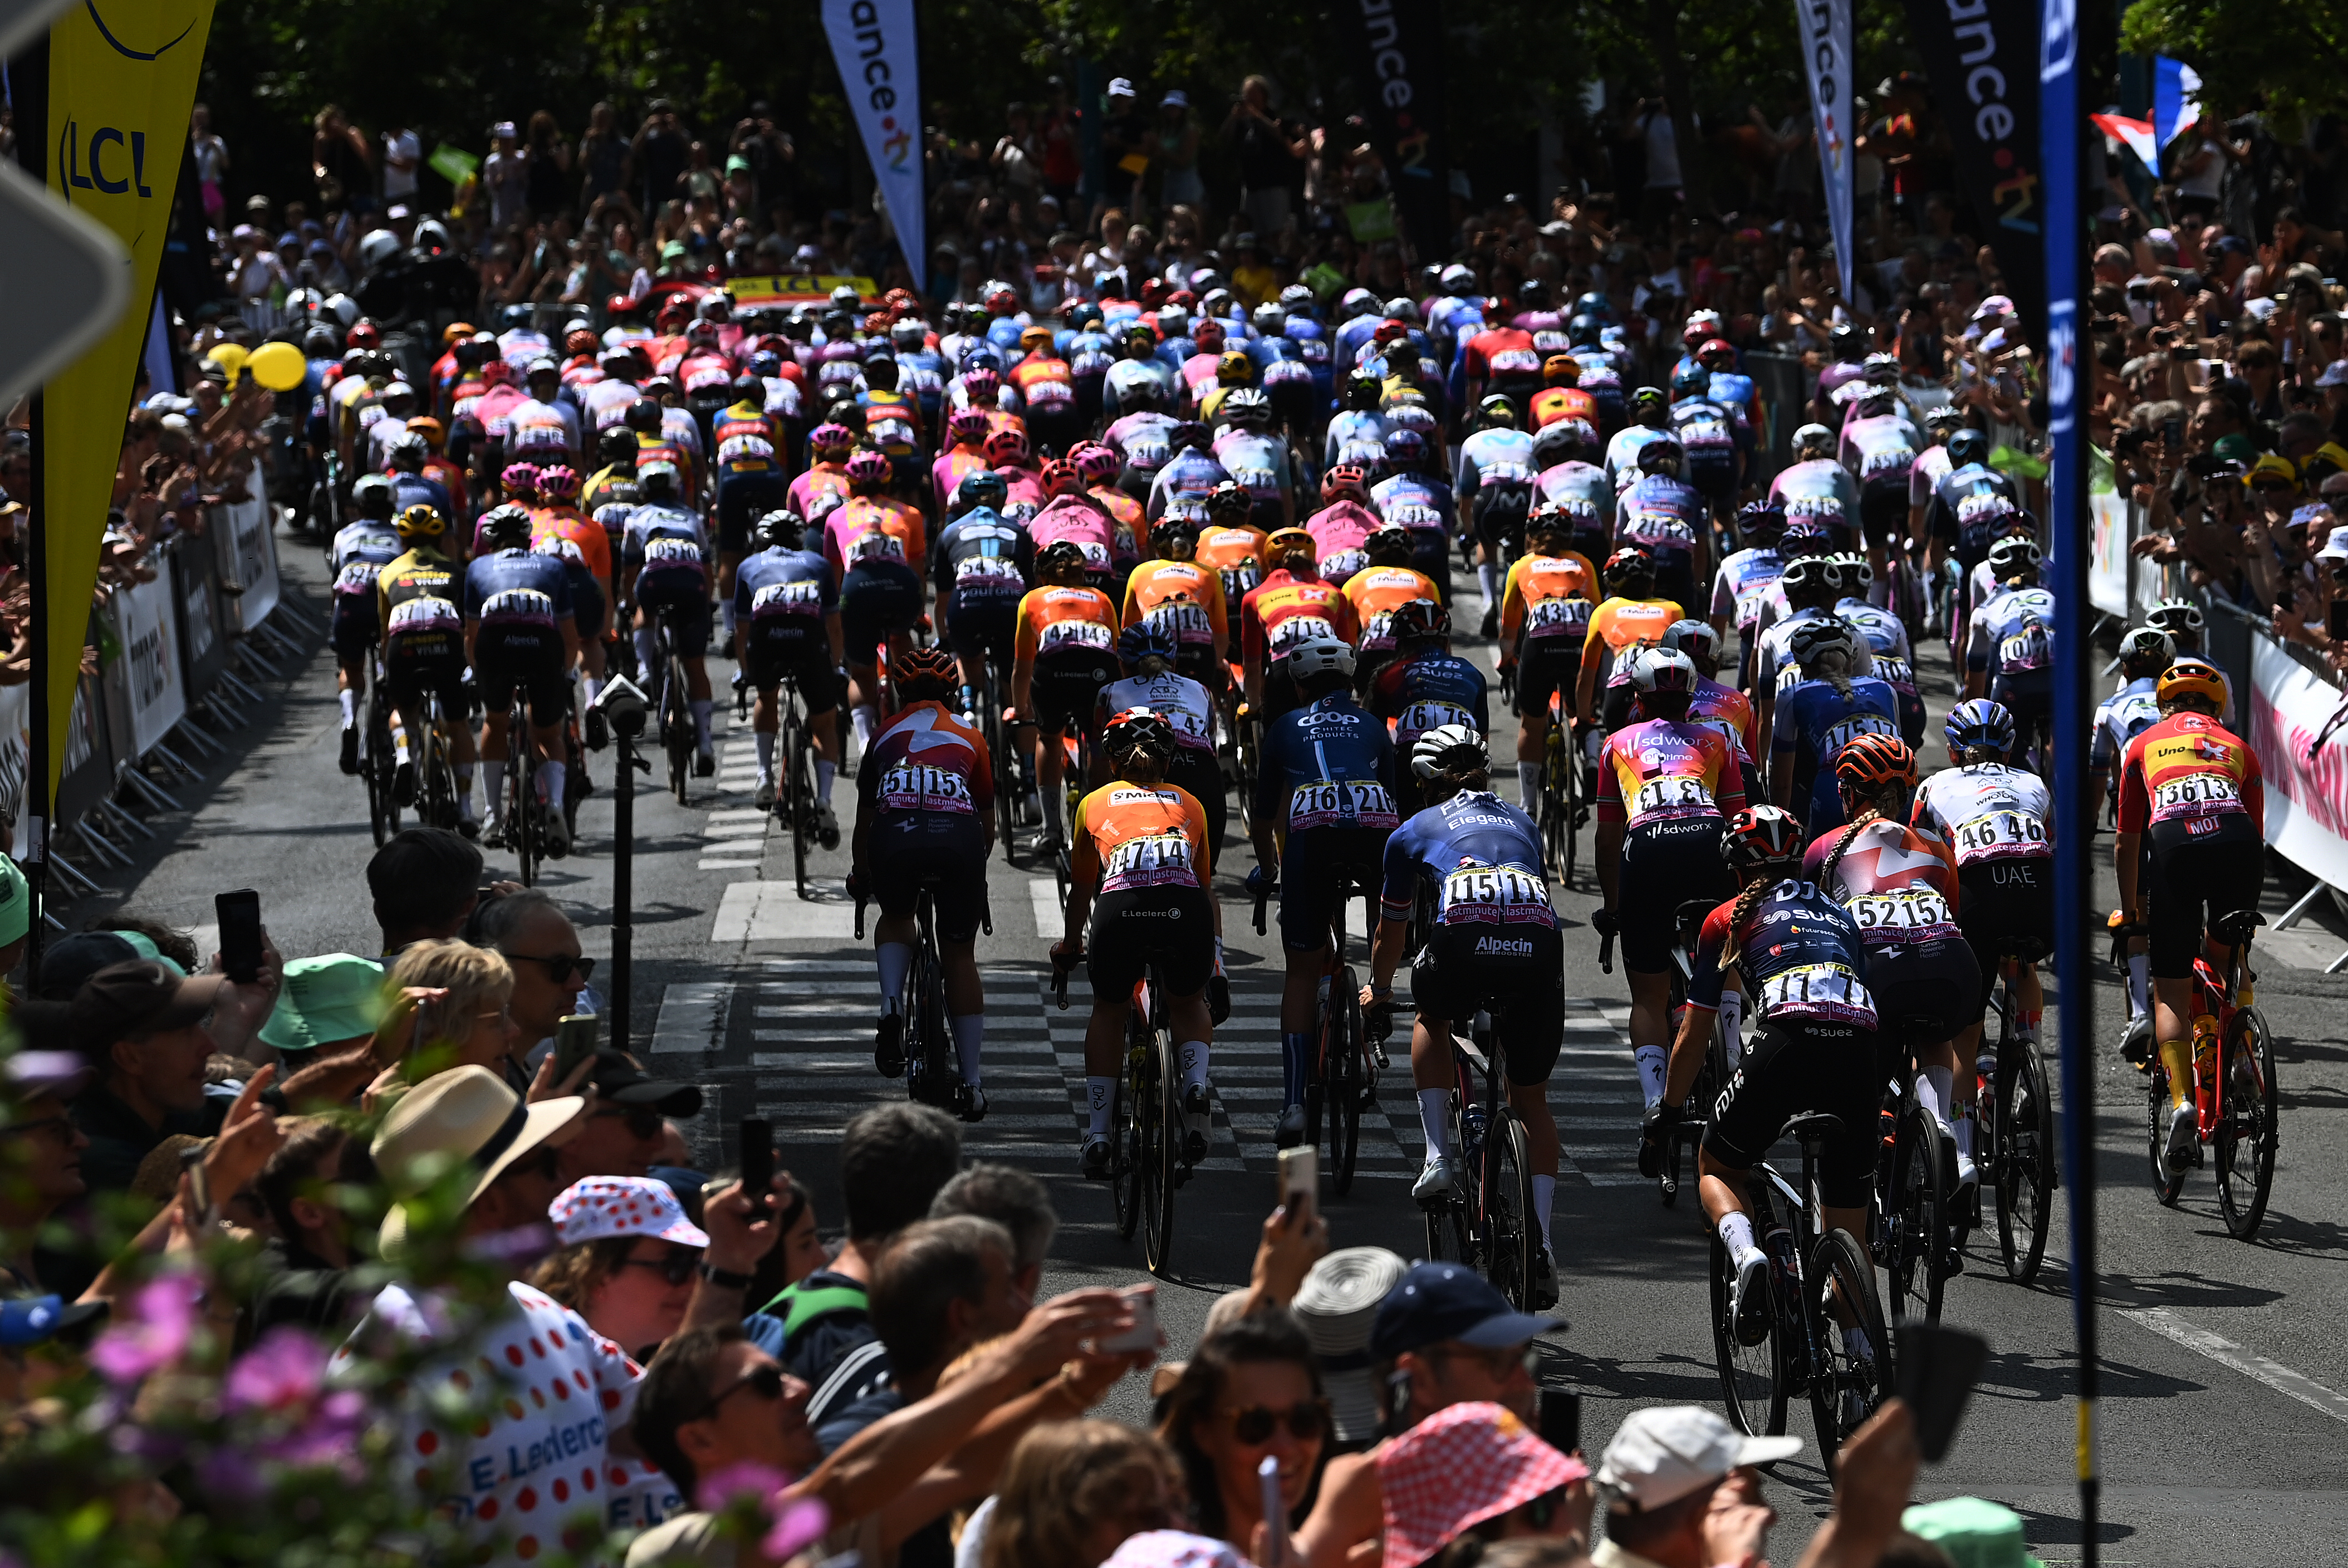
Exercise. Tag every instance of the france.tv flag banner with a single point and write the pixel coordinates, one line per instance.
(1826, 55)
(879, 55)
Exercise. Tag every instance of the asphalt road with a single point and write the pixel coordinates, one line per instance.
(2225, 1401)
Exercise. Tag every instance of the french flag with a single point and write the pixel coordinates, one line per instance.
(2136, 133)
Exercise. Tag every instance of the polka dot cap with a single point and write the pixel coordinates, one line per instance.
(603, 1206)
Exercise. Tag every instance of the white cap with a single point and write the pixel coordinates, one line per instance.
(1659, 1456)
(2335, 548)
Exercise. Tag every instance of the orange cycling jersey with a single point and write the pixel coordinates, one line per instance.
(862, 514)
(1147, 835)
(1375, 592)
(594, 544)
(2189, 777)
(1540, 597)
(1726, 709)
(1238, 554)
(1286, 611)
(1552, 404)
(1659, 770)
(1059, 620)
(1622, 625)
(1183, 596)
(1129, 516)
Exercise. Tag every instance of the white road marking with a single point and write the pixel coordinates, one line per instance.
(774, 911)
(692, 1016)
(2218, 1348)
(1044, 895)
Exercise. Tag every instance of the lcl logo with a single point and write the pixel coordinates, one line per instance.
(109, 161)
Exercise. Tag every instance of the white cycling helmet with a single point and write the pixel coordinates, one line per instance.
(1813, 639)
(1665, 670)
(342, 307)
(1810, 436)
(1446, 748)
(1319, 656)
(1692, 637)
(379, 246)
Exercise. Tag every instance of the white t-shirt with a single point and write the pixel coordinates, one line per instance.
(1662, 151)
(541, 1461)
(400, 148)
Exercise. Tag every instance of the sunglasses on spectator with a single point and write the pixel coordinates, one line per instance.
(1306, 1421)
(559, 967)
(1500, 1362)
(644, 1123)
(676, 1266)
(765, 1381)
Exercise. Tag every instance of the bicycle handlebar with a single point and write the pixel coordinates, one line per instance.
(1606, 953)
(1263, 898)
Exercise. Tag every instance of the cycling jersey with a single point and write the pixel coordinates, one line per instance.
(1376, 592)
(874, 527)
(1181, 597)
(1147, 836)
(664, 545)
(1819, 490)
(1968, 512)
(1621, 460)
(784, 597)
(1659, 771)
(1664, 516)
(1727, 710)
(1285, 610)
(358, 554)
(1084, 523)
(1181, 485)
(1881, 450)
(1624, 626)
(981, 569)
(2187, 778)
(1814, 721)
(1339, 530)
(925, 770)
(1552, 404)
(2122, 716)
(1883, 632)
(1503, 359)
(1414, 502)
(1900, 885)
(1708, 435)
(1925, 474)
(1181, 702)
(1429, 690)
(815, 492)
(519, 597)
(1494, 460)
(1987, 814)
(947, 468)
(1743, 580)
(2012, 637)
(1800, 956)
(1354, 436)
(1055, 621)
(1260, 464)
(1132, 527)
(1046, 386)
(594, 545)
(417, 608)
(1549, 599)
(1329, 764)
(1237, 554)
(1146, 442)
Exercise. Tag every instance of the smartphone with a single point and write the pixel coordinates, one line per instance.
(574, 1042)
(1299, 1182)
(2172, 432)
(1938, 1368)
(1560, 1420)
(1143, 1335)
(240, 934)
(200, 1181)
(757, 1146)
(1275, 1517)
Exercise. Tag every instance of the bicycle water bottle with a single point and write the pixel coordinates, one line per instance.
(2205, 1067)
(1471, 1128)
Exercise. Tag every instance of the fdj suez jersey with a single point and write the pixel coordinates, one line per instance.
(927, 771)
(1800, 956)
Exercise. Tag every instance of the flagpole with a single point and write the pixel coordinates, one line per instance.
(28, 85)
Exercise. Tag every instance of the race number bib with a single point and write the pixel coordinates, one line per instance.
(1558, 618)
(1668, 798)
(1898, 915)
(1495, 895)
(2000, 836)
(668, 554)
(1048, 395)
(911, 786)
(1340, 565)
(522, 606)
(358, 577)
(1153, 860)
(1185, 621)
(1062, 635)
(988, 577)
(1516, 362)
(1355, 803)
(420, 615)
(1421, 716)
(1843, 733)
(1299, 629)
(876, 546)
(793, 599)
(746, 450)
(1240, 579)
(2030, 648)
(1814, 509)
(1827, 993)
(1504, 473)
(2195, 795)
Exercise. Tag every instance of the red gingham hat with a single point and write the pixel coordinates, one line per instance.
(1459, 1467)
(596, 1207)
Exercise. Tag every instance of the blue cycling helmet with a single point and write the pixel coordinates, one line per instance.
(1979, 724)
(1582, 330)
(981, 487)
(1691, 381)
(1967, 447)
(1140, 640)
(1596, 304)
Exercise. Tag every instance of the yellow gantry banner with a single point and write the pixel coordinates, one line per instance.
(122, 77)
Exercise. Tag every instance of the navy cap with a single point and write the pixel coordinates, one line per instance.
(1435, 1302)
(29, 1320)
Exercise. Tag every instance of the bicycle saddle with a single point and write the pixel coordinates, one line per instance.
(2029, 949)
(1811, 1124)
(2235, 929)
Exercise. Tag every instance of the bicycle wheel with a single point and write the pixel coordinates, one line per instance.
(1511, 1235)
(2164, 1186)
(677, 727)
(1127, 1137)
(1343, 1077)
(791, 796)
(521, 815)
(1848, 1378)
(2246, 1133)
(1751, 1376)
(2023, 1163)
(1448, 1239)
(376, 768)
(1158, 1168)
(1918, 1216)
(1570, 805)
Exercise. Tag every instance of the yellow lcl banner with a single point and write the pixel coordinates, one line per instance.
(122, 77)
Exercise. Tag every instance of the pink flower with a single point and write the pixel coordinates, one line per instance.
(163, 1315)
(285, 1369)
(797, 1525)
(719, 1487)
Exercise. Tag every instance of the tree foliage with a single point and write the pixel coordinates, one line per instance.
(2290, 57)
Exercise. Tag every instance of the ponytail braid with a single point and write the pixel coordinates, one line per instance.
(1752, 895)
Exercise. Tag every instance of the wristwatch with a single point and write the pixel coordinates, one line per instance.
(723, 1279)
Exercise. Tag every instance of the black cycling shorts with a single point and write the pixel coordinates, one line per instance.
(1517, 972)
(1173, 927)
(1545, 666)
(1883, 511)
(1788, 1070)
(2032, 703)
(410, 677)
(1936, 983)
(2192, 883)
(1200, 663)
(1316, 864)
(1053, 430)
(1201, 774)
(1430, 557)
(984, 629)
(743, 500)
(875, 601)
(1067, 685)
(1499, 512)
(590, 611)
(354, 626)
(947, 854)
(807, 661)
(500, 666)
(1280, 697)
(1665, 864)
(2003, 904)
(1713, 477)
(683, 597)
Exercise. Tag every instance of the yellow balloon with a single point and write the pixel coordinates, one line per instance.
(278, 366)
(229, 356)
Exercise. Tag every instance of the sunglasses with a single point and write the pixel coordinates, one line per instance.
(559, 967)
(1307, 1422)
(677, 1267)
(1500, 1362)
(765, 1381)
(644, 1123)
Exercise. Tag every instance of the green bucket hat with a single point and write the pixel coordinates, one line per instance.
(16, 902)
(1974, 1532)
(330, 998)
(147, 949)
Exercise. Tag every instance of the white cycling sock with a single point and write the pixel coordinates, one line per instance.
(1529, 783)
(399, 746)
(550, 783)
(969, 1029)
(824, 774)
(1736, 1229)
(647, 650)
(1098, 1092)
(766, 753)
(1544, 1194)
(862, 717)
(1935, 1091)
(1434, 1120)
(493, 777)
(1655, 1066)
(701, 706)
(350, 708)
(725, 617)
(1962, 1127)
(2140, 982)
(590, 688)
(1487, 578)
(1193, 1058)
(895, 958)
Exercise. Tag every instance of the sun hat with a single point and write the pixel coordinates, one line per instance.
(1338, 1306)
(464, 1115)
(1461, 1466)
(1173, 1549)
(1974, 1532)
(1660, 1455)
(599, 1207)
(332, 997)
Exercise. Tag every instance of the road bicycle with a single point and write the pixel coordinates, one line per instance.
(673, 703)
(525, 831)
(932, 1071)
(1493, 1227)
(1796, 1339)
(378, 764)
(1722, 1050)
(795, 795)
(2236, 1096)
(982, 706)
(1915, 1183)
(1565, 793)
(2013, 1142)
(1348, 1049)
(435, 772)
(1147, 1161)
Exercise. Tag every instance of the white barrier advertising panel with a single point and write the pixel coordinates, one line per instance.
(2107, 561)
(2306, 796)
(150, 650)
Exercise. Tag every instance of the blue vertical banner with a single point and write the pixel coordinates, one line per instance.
(1826, 57)
(2062, 149)
(879, 55)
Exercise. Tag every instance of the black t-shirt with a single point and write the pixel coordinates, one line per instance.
(1265, 161)
(661, 155)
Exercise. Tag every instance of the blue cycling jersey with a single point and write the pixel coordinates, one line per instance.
(1661, 514)
(1475, 831)
(981, 560)
(1433, 689)
(1814, 722)
(1328, 764)
(781, 582)
(415, 489)
(518, 590)
(1800, 957)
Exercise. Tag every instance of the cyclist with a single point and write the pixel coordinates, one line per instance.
(1650, 416)
(1902, 888)
(1724, 707)
(2146, 655)
(360, 552)
(875, 544)
(1251, 450)
(1425, 686)
(1879, 446)
(615, 452)
(1383, 584)
(1184, 597)
(1545, 613)
(1628, 618)
(1342, 526)
(1137, 897)
(787, 599)
(664, 569)
(1047, 392)
(1189, 476)
(1931, 465)
(1822, 712)
(1150, 655)
(520, 630)
(1492, 482)
(751, 482)
(1073, 514)
(1494, 947)
(2182, 620)
(1964, 517)
(1356, 432)
(1098, 466)
(1665, 787)
(982, 566)
(2010, 644)
(1665, 515)
(1064, 654)
(1998, 822)
(1815, 488)
(925, 817)
(423, 653)
(1290, 607)
(965, 454)
(1561, 397)
(1814, 1048)
(1708, 435)
(1808, 591)
(2193, 789)
(1324, 804)
(1411, 496)
(824, 484)
(1231, 545)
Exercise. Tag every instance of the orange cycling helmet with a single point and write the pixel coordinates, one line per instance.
(2192, 678)
(1871, 761)
(1061, 477)
(1345, 479)
(919, 664)
(1561, 371)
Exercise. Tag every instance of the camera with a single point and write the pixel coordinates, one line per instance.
(624, 705)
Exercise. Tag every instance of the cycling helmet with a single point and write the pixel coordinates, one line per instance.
(1648, 400)
(1804, 541)
(1139, 729)
(1694, 638)
(1967, 447)
(1007, 445)
(1663, 670)
(520, 478)
(1716, 354)
(616, 445)
(2012, 558)
(1269, 320)
(1661, 454)
(1319, 656)
(1762, 522)
(1417, 620)
(1631, 563)
(1345, 479)
(1881, 369)
(967, 425)
(1583, 329)
(407, 450)
(368, 485)
(981, 385)
(1944, 417)
(1232, 499)
(1805, 574)
(1284, 539)
(1061, 478)
(1762, 839)
(2175, 615)
(2192, 678)
(780, 528)
(319, 343)
(1297, 299)
(1405, 449)
(1868, 762)
(378, 246)
(1100, 465)
(1143, 397)
(1561, 371)
(869, 468)
(559, 484)
(1549, 521)
(1140, 640)
(422, 521)
(507, 526)
(2149, 647)
(924, 665)
(1849, 573)
(1170, 527)
(644, 416)
(1449, 749)
(1562, 442)
(1362, 390)
(1813, 639)
(1979, 724)
(1058, 556)
(361, 336)
(908, 334)
(1388, 545)
(657, 476)
(1701, 325)
(1814, 441)
(1495, 410)
(1247, 405)
(1035, 337)
(1691, 381)
(981, 487)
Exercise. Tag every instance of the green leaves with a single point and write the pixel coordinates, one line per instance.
(2290, 54)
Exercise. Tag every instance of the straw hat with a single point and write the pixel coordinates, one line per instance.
(465, 1115)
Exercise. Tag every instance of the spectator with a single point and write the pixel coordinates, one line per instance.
(1175, 150)
(1124, 146)
(535, 936)
(1272, 153)
(505, 176)
(1662, 1473)
(1012, 1198)
(341, 166)
(628, 1259)
(210, 153)
(304, 1268)
(1250, 1391)
(602, 157)
(550, 181)
(1071, 1493)
(424, 883)
(41, 1151)
(403, 157)
(657, 156)
(1337, 1306)
(460, 1018)
(712, 1401)
(625, 1127)
(140, 1027)
(1472, 1473)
